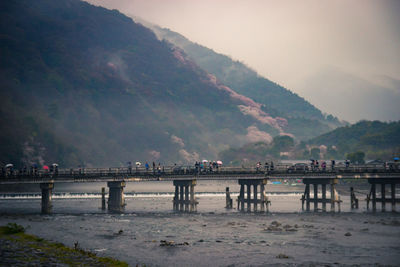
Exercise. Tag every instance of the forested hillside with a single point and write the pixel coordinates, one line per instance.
(372, 139)
(83, 85)
(378, 140)
(304, 120)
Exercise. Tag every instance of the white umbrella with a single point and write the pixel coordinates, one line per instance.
(55, 165)
(138, 164)
(204, 161)
(9, 165)
(219, 162)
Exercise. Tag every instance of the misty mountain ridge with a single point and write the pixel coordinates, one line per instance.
(83, 85)
(376, 139)
(359, 97)
(275, 100)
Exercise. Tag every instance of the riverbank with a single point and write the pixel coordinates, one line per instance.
(20, 249)
(227, 239)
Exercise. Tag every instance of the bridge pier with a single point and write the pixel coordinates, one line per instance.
(323, 182)
(47, 189)
(353, 199)
(184, 199)
(103, 198)
(229, 201)
(383, 182)
(263, 200)
(116, 199)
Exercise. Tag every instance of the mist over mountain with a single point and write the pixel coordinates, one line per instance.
(304, 119)
(86, 85)
(83, 85)
(359, 98)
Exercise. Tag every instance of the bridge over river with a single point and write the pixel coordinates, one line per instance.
(252, 181)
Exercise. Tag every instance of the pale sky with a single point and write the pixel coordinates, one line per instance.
(297, 44)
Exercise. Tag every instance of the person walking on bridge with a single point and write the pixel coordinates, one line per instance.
(323, 166)
(266, 167)
(129, 167)
(347, 162)
(258, 166)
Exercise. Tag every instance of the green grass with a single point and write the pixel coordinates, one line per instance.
(16, 233)
(12, 228)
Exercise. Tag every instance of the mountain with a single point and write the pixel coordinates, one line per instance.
(375, 139)
(355, 94)
(304, 120)
(378, 140)
(83, 85)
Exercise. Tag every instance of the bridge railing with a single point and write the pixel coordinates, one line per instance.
(192, 170)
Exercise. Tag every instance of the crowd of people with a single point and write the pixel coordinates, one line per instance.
(199, 167)
(267, 166)
(9, 170)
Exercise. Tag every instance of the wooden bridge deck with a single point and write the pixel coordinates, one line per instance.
(185, 173)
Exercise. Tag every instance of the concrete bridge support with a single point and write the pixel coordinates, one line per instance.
(116, 199)
(315, 182)
(184, 199)
(393, 182)
(47, 189)
(229, 201)
(103, 198)
(353, 199)
(259, 197)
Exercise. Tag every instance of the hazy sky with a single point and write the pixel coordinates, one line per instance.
(295, 43)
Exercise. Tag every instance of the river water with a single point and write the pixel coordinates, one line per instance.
(213, 235)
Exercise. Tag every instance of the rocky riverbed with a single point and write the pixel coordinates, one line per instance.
(20, 249)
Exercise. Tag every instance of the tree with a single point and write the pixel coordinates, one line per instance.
(283, 143)
(315, 153)
(306, 154)
(332, 153)
(356, 157)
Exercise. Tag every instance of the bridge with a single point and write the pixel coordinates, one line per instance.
(185, 178)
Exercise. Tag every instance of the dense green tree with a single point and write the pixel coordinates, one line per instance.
(332, 153)
(377, 139)
(356, 157)
(282, 143)
(315, 152)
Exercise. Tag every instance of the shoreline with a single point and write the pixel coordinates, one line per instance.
(21, 249)
(223, 239)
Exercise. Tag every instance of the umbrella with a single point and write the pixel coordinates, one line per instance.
(396, 158)
(45, 167)
(219, 162)
(138, 163)
(9, 165)
(55, 165)
(204, 161)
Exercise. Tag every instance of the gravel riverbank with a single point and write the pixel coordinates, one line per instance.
(20, 249)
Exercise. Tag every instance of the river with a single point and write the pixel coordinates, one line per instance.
(213, 235)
